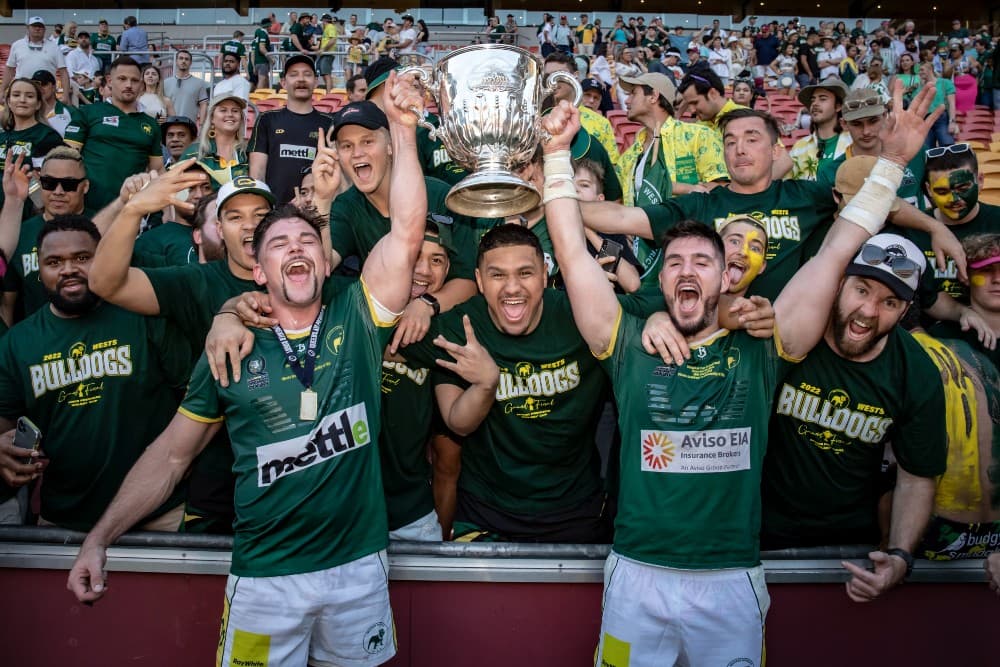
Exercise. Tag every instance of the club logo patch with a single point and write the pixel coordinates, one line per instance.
(375, 638)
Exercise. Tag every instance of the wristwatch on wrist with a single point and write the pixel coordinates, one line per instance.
(907, 558)
(432, 301)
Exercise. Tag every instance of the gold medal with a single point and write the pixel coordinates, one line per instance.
(308, 405)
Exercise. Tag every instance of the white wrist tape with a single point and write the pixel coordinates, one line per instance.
(869, 208)
(559, 187)
(558, 163)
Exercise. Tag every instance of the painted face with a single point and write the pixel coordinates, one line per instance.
(746, 246)
(984, 287)
(955, 193)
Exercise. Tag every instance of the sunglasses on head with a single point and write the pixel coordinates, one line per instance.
(954, 149)
(68, 184)
(854, 105)
(904, 267)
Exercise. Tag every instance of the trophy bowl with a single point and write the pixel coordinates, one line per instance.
(488, 98)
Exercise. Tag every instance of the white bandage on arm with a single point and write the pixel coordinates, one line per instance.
(558, 177)
(870, 207)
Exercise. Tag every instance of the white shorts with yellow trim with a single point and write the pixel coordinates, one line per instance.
(336, 617)
(659, 617)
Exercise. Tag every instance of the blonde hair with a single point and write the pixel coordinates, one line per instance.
(205, 141)
(981, 246)
(7, 117)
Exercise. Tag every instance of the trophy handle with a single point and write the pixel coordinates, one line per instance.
(556, 77)
(428, 80)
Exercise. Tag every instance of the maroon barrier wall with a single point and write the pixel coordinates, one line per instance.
(170, 620)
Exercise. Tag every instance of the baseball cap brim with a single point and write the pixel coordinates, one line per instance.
(889, 279)
(244, 185)
(295, 60)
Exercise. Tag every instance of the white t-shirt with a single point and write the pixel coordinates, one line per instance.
(408, 34)
(234, 85)
(80, 61)
(829, 70)
(28, 58)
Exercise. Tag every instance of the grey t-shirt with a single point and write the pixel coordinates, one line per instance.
(186, 95)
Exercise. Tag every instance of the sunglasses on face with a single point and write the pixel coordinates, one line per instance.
(904, 267)
(68, 184)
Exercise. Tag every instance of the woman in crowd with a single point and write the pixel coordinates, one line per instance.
(423, 34)
(747, 94)
(153, 101)
(222, 145)
(840, 30)
(625, 65)
(785, 68)
(739, 58)
(945, 127)
(23, 123)
(909, 77)
(849, 66)
(720, 59)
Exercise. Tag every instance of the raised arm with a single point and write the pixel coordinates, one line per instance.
(595, 307)
(803, 307)
(388, 271)
(147, 485)
(111, 276)
(15, 190)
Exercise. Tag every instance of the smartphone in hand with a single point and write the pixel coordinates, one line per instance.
(611, 249)
(27, 436)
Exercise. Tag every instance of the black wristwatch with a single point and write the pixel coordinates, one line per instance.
(907, 558)
(432, 301)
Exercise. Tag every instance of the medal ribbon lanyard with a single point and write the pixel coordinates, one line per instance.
(304, 370)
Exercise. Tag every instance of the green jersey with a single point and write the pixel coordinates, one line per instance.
(407, 412)
(356, 226)
(260, 36)
(220, 169)
(34, 142)
(100, 388)
(831, 420)
(434, 157)
(233, 47)
(115, 145)
(104, 47)
(22, 270)
(308, 492)
(169, 244)
(792, 211)
(910, 188)
(692, 446)
(654, 185)
(934, 280)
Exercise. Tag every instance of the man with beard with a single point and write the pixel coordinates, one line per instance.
(694, 435)
(205, 231)
(188, 92)
(792, 210)
(826, 141)
(232, 82)
(98, 381)
(171, 244)
(115, 139)
(64, 185)
(304, 599)
(284, 140)
(835, 412)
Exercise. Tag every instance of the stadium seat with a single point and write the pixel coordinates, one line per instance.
(990, 196)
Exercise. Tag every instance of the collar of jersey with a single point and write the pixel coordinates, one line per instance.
(709, 339)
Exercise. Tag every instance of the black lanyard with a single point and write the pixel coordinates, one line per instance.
(303, 371)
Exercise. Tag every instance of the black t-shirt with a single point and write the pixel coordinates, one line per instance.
(810, 54)
(289, 141)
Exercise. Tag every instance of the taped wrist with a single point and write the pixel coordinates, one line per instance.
(558, 172)
(869, 208)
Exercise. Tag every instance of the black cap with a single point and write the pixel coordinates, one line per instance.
(179, 120)
(44, 76)
(590, 84)
(378, 72)
(365, 114)
(295, 60)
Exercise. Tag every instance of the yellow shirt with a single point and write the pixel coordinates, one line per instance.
(599, 127)
(726, 108)
(692, 153)
(329, 36)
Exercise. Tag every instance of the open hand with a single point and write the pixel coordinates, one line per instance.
(15, 176)
(905, 130)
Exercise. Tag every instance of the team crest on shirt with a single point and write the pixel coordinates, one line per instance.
(148, 129)
(258, 377)
(335, 339)
(109, 120)
(376, 638)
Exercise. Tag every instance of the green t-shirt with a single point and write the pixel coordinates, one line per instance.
(22, 270)
(792, 211)
(535, 450)
(304, 41)
(222, 171)
(234, 47)
(115, 145)
(260, 36)
(434, 157)
(169, 244)
(104, 47)
(934, 280)
(910, 189)
(692, 448)
(35, 142)
(308, 493)
(407, 412)
(831, 420)
(653, 186)
(100, 388)
(356, 226)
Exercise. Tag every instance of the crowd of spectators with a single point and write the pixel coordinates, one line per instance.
(826, 364)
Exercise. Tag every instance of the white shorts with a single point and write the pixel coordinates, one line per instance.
(425, 529)
(658, 616)
(336, 617)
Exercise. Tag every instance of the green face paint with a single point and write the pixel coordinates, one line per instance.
(955, 194)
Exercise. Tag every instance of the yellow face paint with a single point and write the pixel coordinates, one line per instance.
(755, 259)
(958, 186)
(943, 197)
(978, 279)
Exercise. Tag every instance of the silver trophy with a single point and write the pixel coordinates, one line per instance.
(488, 96)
